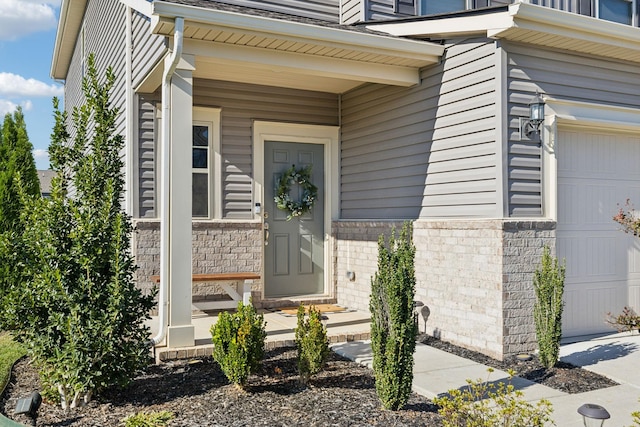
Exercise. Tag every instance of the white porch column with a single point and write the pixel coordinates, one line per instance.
(181, 331)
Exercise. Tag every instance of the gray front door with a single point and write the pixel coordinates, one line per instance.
(294, 254)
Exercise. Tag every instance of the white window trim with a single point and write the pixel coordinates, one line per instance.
(563, 114)
(211, 117)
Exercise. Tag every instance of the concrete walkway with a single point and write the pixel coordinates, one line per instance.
(617, 357)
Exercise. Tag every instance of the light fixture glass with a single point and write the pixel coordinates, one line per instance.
(536, 109)
(531, 125)
(593, 415)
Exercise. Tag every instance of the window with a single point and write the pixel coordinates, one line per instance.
(621, 11)
(200, 171)
(431, 7)
(205, 148)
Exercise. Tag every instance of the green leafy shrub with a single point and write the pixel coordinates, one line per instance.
(149, 419)
(311, 342)
(393, 329)
(485, 404)
(78, 309)
(238, 342)
(548, 283)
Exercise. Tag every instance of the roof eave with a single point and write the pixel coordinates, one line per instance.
(69, 24)
(340, 37)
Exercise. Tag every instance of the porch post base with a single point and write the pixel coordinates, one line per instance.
(181, 336)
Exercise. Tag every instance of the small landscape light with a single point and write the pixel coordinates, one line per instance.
(325, 320)
(29, 405)
(593, 415)
(523, 357)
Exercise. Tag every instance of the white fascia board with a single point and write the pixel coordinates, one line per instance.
(601, 115)
(307, 64)
(69, 24)
(568, 24)
(373, 43)
(457, 25)
(141, 6)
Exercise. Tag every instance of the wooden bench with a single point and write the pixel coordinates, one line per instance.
(230, 290)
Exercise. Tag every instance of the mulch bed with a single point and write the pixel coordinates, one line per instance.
(198, 393)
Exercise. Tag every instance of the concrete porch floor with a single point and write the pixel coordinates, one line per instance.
(342, 326)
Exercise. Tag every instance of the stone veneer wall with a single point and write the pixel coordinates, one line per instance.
(218, 247)
(524, 243)
(474, 275)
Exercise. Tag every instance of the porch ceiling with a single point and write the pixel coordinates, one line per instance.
(276, 52)
(531, 24)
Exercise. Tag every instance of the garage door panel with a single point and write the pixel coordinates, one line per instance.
(591, 258)
(596, 172)
(586, 308)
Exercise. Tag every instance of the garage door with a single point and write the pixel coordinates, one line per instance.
(597, 172)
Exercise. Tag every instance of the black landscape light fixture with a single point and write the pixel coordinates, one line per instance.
(593, 415)
(29, 405)
(531, 125)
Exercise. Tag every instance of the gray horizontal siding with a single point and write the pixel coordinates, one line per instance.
(242, 104)
(425, 151)
(327, 10)
(563, 76)
(147, 193)
(148, 48)
(104, 35)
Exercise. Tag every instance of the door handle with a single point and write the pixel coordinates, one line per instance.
(266, 233)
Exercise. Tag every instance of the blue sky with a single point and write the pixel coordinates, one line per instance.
(27, 35)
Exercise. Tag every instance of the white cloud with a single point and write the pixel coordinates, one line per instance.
(21, 17)
(7, 106)
(13, 85)
(40, 154)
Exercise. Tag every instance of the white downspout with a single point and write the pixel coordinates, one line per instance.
(164, 183)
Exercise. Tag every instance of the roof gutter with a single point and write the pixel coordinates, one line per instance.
(178, 42)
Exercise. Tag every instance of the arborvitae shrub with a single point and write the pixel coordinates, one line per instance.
(548, 283)
(311, 342)
(238, 342)
(393, 330)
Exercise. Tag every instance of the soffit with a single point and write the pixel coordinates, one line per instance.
(279, 52)
(535, 25)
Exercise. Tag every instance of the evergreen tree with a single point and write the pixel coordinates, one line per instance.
(18, 181)
(17, 169)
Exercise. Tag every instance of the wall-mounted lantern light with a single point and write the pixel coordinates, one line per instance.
(531, 125)
(593, 415)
